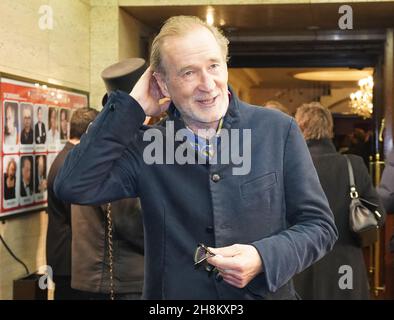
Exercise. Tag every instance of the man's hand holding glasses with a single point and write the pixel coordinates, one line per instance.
(237, 264)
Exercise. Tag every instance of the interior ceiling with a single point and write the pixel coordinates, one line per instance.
(283, 77)
(268, 19)
(274, 18)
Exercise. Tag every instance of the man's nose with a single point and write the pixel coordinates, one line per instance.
(207, 82)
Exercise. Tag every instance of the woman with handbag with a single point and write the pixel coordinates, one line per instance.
(341, 274)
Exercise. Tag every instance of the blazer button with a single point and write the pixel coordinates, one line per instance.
(209, 229)
(112, 107)
(215, 177)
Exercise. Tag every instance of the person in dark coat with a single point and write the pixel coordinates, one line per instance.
(386, 190)
(322, 279)
(90, 233)
(58, 243)
(264, 216)
(78, 237)
(386, 186)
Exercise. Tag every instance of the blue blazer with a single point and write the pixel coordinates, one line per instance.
(278, 206)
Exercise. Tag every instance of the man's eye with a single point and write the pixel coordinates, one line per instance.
(188, 73)
(215, 65)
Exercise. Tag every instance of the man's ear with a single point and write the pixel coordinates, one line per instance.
(162, 84)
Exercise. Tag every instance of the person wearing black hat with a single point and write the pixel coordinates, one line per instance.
(111, 233)
(252, 224)
(113, 236)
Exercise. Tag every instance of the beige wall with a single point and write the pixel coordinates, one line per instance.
(60, 56)
(115, 35)
(104, 45)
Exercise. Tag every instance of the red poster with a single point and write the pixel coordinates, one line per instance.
(35, 125)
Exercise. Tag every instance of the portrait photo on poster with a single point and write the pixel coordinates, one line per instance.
(40, 127)
(26, 125)
(26, 180)
(40, 180)
(11, 127)
(64, 125)
(10, 181)
(53, 135)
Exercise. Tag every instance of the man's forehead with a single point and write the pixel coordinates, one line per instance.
(198, 36)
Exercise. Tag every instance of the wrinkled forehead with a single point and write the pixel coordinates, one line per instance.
(192, 40)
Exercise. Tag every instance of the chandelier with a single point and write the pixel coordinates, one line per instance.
(361, 100)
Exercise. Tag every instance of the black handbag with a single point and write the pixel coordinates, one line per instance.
(363, 216)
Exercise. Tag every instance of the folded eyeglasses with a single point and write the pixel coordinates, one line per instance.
(201, 254)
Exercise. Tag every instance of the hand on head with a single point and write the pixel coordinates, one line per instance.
(148, 94)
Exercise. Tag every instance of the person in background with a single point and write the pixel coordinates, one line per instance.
(386, 190)
(272, 104)
(360, 144)
(78, 238)
(58, 244)
(91, 274)
(321, 280)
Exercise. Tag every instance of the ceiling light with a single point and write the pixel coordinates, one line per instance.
(334, 75)
(361, 100)
(210, 16)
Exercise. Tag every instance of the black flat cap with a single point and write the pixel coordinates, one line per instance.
(123, 75)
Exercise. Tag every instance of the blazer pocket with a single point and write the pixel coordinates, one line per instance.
(258, 185)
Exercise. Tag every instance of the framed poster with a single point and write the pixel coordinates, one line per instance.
(35, 125)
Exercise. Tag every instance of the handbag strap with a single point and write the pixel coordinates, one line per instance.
(353, 190)
(110, 252)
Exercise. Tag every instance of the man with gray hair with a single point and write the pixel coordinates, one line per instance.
(253, 229)
(27, 131)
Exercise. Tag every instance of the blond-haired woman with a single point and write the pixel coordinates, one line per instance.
(322, 279)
